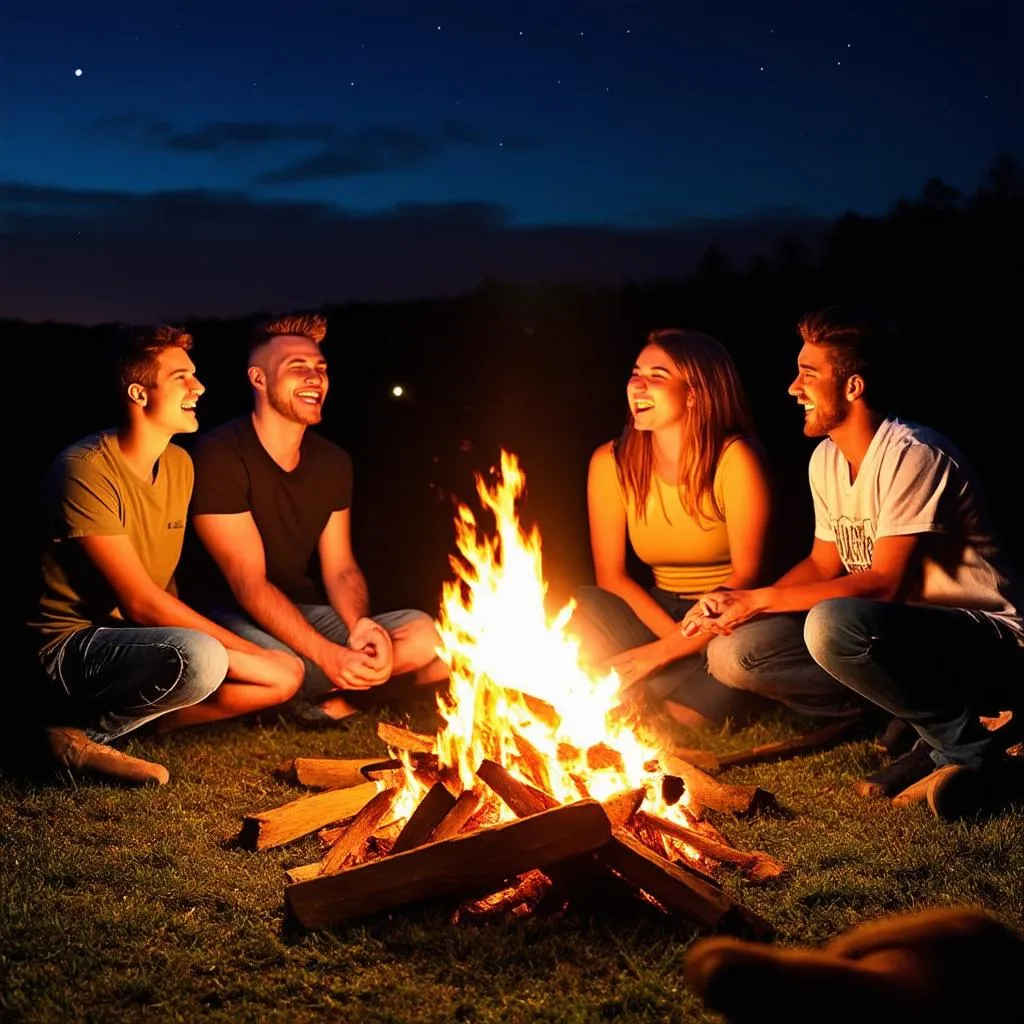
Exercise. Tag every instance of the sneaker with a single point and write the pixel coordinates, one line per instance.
(913, 766)
(74, 751)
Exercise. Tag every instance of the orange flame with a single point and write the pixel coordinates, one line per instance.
(519, 694)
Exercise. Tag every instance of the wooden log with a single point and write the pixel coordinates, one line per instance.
(417, 760)
(303, 872)
(326, 772)
(754, 864)
(282, 824)
(399, 738)
(706, 791)
(522, 799)
(429, 813)
(456, 819)
(359, 830)
(465, 864)
(600, 755)
(803, 744)
(621, 807)
(679, 890)
(527, 889)
(533, 764)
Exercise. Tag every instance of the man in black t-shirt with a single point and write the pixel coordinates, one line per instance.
(272, 506)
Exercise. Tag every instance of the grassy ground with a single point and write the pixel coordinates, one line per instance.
(124, 905)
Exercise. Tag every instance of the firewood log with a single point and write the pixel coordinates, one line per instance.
(429, 813)
(706, 791)
(325, 772)
(399, 738)
(754, 864)
(465, 864)
(282, 824)
(358, 831)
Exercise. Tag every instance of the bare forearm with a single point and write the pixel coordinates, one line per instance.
(787, 596)
(349, 595)
(268, 607)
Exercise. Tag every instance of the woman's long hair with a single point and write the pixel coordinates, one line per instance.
(719, 414)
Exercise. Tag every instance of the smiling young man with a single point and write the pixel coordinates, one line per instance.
(272, 508)
(112, 636)
(905, 601)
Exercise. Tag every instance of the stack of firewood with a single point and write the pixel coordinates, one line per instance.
(455, 846)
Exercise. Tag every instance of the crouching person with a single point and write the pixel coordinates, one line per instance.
(117, 647)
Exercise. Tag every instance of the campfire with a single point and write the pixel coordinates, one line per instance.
(537, 792)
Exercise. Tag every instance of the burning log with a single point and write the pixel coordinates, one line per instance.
(600, 755)
(359, 830)
(523, 800)
(621, 807)
(399, 738)
(465, 864)
(754, 864)
(300, 817)
(706, 791)
(528, 890)
(677, 889)
(533, 762)
(429, 813)
(326, 772)
(456, 819)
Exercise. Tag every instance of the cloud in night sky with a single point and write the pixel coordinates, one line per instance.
(92, 256)
(372, 149)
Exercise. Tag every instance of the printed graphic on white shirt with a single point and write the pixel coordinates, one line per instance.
(855, 541)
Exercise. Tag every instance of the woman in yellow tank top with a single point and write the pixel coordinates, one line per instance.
(687, 485)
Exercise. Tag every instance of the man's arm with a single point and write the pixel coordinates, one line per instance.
(143, 603)
(818, 577)
(235, 545)
(343, 579)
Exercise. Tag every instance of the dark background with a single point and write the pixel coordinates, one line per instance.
(540, 371)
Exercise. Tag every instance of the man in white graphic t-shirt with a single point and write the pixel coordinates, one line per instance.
(905, 602)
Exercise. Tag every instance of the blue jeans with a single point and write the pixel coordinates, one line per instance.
(325, 620)
(937, 668)
(607, 626)
(117, 678)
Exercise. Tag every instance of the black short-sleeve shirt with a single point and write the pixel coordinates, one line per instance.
(234, 473)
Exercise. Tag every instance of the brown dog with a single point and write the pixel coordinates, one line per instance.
(944, 966)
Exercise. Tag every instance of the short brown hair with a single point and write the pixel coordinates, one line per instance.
(133, 352)
(303, 325)
(863, 342)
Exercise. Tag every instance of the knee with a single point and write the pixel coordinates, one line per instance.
(837, 629)
(731, 661)
(204, 665)
(293, 672)
(420, 639)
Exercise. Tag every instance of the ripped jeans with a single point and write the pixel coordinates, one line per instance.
(113, 679)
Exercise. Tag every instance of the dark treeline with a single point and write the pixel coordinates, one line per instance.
(541, 372)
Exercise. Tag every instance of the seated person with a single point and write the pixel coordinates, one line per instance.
(906, 601)
(118, 646)
(272, 508)
(687, 484)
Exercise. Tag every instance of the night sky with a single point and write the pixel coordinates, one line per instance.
(215, 158)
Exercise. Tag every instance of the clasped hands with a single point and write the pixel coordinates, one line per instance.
(367, 658)
(720, 612)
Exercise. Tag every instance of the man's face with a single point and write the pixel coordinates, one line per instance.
(296, 378)
(171, 401)
(817, 389)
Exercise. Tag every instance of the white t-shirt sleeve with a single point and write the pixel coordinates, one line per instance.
(816, 472)
(913, 486)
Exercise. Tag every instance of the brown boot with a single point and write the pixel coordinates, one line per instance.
(76, 752)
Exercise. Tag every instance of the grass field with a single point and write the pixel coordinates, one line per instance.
(122, 905)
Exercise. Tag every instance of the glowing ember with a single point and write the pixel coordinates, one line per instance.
(504, 649)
